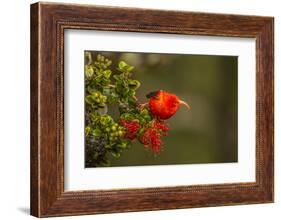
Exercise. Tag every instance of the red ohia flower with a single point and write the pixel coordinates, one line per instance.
(132, 128)
(161, 126)
(152, 136)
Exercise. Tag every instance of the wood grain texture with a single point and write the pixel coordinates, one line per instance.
(34, 136)
(48, 22)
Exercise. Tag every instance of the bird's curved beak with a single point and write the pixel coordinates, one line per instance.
(185, 104)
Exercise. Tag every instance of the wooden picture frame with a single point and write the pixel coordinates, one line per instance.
(48, 22)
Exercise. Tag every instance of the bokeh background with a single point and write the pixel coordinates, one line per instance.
(207, 133)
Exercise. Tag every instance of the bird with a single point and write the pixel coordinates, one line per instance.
(163, 105)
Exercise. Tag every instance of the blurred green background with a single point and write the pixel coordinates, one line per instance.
(207, 133)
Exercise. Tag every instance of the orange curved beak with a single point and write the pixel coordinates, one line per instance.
(185, 104)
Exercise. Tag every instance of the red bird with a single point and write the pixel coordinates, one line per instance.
(164, 105)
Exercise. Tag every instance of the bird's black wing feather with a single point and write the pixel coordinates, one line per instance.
(152, 94)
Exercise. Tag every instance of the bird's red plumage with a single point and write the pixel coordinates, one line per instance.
(164, 105)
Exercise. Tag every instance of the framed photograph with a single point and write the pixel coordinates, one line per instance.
(138, 109)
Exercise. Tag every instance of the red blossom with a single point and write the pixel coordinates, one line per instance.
(132, 128)
(152, 136)
(162, 126)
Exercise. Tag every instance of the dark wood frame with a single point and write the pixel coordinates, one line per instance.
(48, 22)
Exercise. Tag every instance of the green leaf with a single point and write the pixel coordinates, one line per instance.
(122, 145)
(105, 162)
(144, 112)
(130, 68)
(96, 132)
(89, 71)
(108, 146)
(131, 92)
(106, 91)
(106, 120)
(116, 77)
(88, 57)
(107, 73)
(141, 130)
(88, 130)
(89, 99)
(134, 84)
(94, 116)
(142, 121)
(115, 154)
(105, 82)
(90, 89)
(124, 67)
